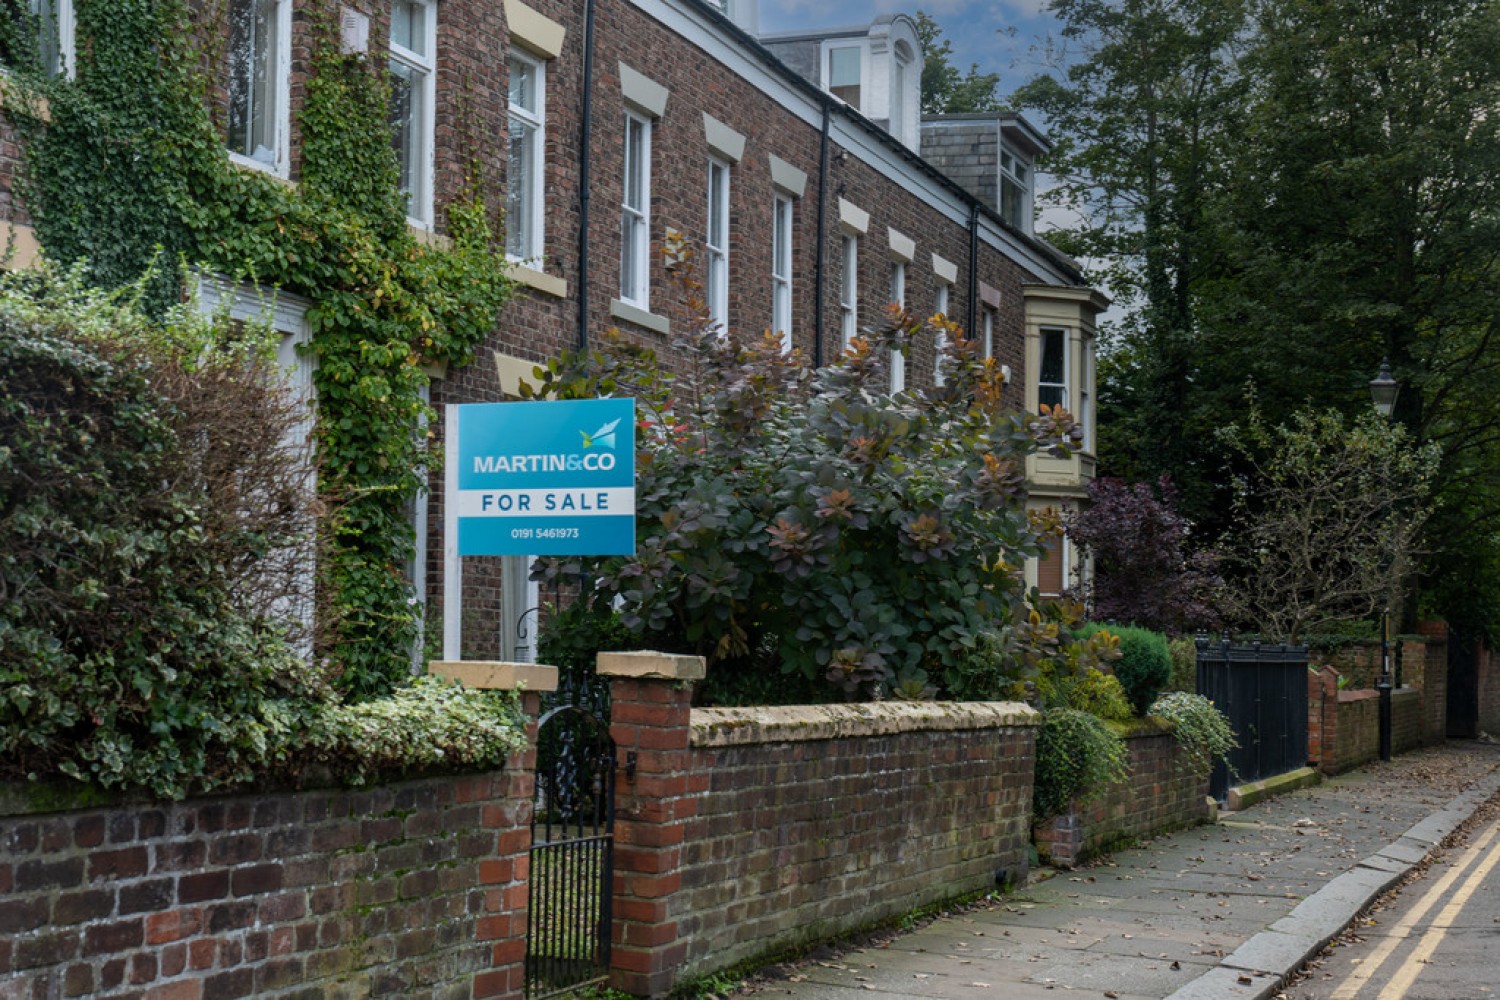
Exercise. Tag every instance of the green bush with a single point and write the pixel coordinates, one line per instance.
(429, 723)
(1144, 666)
(154, 525)
(1077, 757)
(809, 521)
(1201, 730)
(131, 652)
(1184, 653)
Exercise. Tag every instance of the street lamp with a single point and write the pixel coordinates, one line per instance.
(1383, 392)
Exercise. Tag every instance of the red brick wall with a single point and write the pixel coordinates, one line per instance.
(1435, 688)
(414, 889)
(1162, 793)
(732, 846)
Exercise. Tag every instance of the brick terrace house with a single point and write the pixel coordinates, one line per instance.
(798, 166)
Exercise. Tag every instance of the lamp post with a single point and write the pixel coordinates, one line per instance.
(1383, 392)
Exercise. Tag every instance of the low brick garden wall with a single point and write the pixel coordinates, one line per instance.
(414, 889)
(1344, 726)
(1162, 793)
(744, 832)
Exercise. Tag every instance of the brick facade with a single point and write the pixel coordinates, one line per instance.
(1162, 793)
(707, 67)
(744, 832)
(416, 889)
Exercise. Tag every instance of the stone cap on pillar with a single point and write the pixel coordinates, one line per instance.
(658, 666)
(497, 675)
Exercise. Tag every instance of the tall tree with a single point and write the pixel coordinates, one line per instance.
(1145, 124)
(1367, 224)
(946, 91)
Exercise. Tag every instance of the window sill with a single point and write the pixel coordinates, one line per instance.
(17, 99)
(423, 234)
(640, 317)
(540, 280)
(261, 167)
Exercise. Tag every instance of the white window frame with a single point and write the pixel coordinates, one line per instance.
(531, 252)
(419, 203)
(520, 604)
(635, 219)
(900, 67)
(987, 328)
(1085, 397)
(1009, 162)
(56, 14)
(849, 293)
(1061, 386)
(279, 164)
(898, 296)
(940, 339)
(825, 74)
(781, 270)
(716, 244)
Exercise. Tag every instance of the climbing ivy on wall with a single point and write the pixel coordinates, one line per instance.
(126, 171)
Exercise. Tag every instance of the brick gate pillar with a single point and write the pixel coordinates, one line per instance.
(650, 720)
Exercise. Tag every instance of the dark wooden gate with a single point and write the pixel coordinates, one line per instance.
(1463, 685)
(572, 852)
(1263, 691)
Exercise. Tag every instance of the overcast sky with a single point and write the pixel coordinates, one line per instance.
(999, 35)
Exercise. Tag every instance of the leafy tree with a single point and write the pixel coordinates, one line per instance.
(1330, 521)
(1146, 127)
(1367, 225)
(806, 522)
(1143, 571)
(946, 91)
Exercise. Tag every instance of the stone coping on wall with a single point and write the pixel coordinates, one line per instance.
(720, 727)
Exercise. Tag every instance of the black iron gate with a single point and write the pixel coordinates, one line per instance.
(572, 852)
(1263, 691)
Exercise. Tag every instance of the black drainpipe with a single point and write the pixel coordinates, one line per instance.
(973, 270)
(584, 178)
(819, 277)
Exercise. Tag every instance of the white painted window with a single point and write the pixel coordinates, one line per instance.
(413, 86)
(1015, 190)
(1085, 397)
(940, 339)
(901, 62)
(849, 293)
(716, 242)
(47, 25)
(781, 270)
(843, 73)
(987, 331)
(1052, 371)
(635, 214)
(520, 602)
(524, 199)
(259, 63)
(898, 296)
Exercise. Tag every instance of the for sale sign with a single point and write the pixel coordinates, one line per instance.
(543, 479)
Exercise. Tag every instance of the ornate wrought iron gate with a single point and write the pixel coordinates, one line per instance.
(572, 852)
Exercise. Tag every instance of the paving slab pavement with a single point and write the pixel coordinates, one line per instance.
(1221, 911)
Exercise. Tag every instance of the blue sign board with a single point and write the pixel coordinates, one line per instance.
(543, 479)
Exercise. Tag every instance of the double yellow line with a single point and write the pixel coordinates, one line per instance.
(1477, 861)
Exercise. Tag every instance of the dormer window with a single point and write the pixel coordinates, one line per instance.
(900, 69)
(844, 72)
(1015, 190)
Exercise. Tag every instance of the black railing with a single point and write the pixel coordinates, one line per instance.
(1262, 689)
